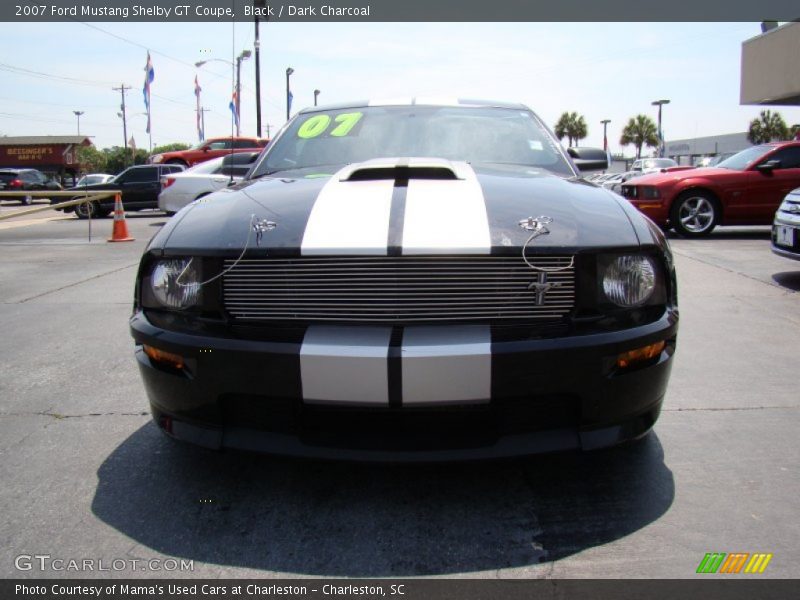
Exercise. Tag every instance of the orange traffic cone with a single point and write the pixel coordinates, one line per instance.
(120, 231)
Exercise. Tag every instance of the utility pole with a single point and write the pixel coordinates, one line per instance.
(268, 126)
(122, 89)
(203, 112)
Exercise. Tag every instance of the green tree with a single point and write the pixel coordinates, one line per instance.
(768, 127)
(173, 147)
(572, 126)
(640, 131)
(91, 159)
(118, 158)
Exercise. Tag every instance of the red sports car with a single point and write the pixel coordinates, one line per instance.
(210, 148)
(745, 189)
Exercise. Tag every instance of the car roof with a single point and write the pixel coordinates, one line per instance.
(419, 101)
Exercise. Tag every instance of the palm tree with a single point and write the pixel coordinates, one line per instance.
(572, 126)
(769, 126)
(640, 131)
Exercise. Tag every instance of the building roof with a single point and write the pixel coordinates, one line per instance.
(31, 140)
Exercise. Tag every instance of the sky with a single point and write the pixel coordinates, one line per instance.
(601, 70)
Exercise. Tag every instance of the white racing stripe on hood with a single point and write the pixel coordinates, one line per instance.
(446, 216)
(349, 217)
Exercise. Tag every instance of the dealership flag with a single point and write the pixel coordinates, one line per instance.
(234, 112)
(197, 90)
(149, 75)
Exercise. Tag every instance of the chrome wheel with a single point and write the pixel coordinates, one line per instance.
(694, 214)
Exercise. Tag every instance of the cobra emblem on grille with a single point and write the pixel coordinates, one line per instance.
(541, 287)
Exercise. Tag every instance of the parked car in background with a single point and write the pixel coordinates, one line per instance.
(786, 227)
(179, 189)
(139, 186)
(616, 185)
(746, 189)
(23, 180)
(652, 165)
(208, 149)
(92, 178)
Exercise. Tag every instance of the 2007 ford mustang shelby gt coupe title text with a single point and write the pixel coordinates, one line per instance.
(408, 280)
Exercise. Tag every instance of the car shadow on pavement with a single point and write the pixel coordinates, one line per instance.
(729, 233)
(364, 520)
(788, 279)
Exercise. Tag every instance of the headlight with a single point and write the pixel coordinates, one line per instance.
(648, 192)
(176, 283)
(629, 280)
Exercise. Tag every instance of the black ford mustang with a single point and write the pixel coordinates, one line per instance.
(408, 280)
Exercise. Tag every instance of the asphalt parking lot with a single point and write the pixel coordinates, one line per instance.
(86, 475)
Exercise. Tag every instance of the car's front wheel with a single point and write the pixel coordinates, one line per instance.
(26, 200)
(85, 210)
(177, 161)
(695, 213)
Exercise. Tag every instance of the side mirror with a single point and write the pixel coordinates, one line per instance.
(769, 166)
(589, 159)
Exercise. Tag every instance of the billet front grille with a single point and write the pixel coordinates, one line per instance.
(400, 289)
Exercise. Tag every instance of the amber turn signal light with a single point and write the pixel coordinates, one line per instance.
(160, 356)
(631, 357)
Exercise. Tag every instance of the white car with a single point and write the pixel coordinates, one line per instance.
(92, 178)
(652, 165)
(180, 189)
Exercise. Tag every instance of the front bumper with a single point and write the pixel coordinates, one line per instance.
(786, 221)
(546, 394)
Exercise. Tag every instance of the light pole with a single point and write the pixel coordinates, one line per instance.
(316, 93)
(78, 114)
(243, 56)
(605, 123)
(289, 72)
(660, 103)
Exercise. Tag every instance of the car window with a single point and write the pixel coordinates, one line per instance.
(479, 135)
(244, 144)
(740, 160)
(219, 145)
(141, 175)
(789, 157)
(172, 168)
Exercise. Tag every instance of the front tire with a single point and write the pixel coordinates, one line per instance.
(177, 161)
(694, 213)
(26, 200)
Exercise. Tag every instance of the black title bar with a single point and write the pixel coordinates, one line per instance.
(397, 10)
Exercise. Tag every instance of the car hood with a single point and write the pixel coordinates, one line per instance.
(671, 177)
(377, 208)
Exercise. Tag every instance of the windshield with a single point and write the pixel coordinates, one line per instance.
(209, 166)
(329, 140)
(740, 160)
(658, 163)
